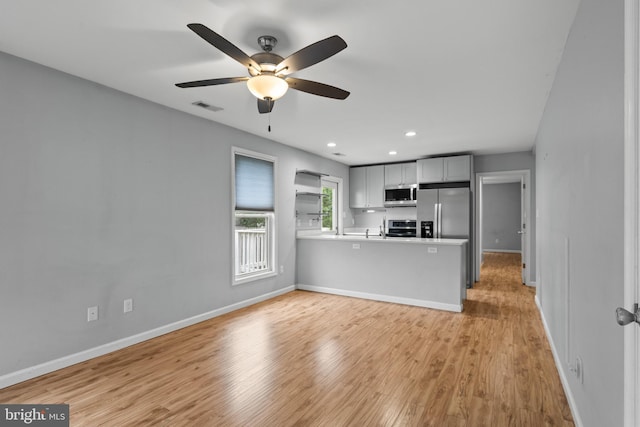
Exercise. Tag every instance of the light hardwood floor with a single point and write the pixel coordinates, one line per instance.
(313, 359)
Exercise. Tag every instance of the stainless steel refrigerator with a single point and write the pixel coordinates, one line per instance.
(449, 210)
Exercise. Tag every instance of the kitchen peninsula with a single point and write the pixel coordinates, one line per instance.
(422, 272)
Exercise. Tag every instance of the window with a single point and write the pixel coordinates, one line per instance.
(254, 215)
(330, 204)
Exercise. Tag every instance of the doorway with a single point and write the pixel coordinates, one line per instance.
(505, 228)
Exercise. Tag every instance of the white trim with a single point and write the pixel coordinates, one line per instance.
(63, 362)
(631, 356)
(525, 177)
(507, 251)
(563, 378)
(384, 298)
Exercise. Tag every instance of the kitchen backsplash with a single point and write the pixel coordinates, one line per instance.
(365, 219)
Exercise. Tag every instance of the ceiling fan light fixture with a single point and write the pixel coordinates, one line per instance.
(267, 86)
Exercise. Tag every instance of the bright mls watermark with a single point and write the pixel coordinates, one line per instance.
(34, 415)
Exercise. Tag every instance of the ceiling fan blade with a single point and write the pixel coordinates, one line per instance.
(312, 54)
(212, 82)
(265, 106)
(224, 45)
(316, 88)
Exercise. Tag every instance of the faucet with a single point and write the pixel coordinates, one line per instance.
(366, 233)
(382, 230)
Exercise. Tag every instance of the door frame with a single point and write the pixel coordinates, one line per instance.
(631, 208)
(524, 176)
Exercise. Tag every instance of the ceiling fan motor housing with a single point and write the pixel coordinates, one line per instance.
(267, 61)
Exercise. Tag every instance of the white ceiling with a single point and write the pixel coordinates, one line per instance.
(466, 75)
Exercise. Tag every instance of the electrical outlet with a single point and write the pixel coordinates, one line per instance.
(128, 305)
(432, 250)
(92, 313)
(355, 245)
(281, 269)
(579, 370)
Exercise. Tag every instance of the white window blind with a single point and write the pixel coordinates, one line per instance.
(254, 184)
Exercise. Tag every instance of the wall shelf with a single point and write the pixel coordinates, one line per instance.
(312, 173)
(309, 193)
(309, 199)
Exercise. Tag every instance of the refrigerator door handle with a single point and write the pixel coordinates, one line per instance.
(439, 221)
(435, 220)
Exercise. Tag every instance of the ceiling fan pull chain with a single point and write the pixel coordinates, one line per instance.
(269, 127)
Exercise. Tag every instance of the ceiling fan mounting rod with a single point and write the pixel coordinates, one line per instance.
(267, 43)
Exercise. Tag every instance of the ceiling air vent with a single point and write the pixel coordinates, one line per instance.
(339, 154)
(206, 106)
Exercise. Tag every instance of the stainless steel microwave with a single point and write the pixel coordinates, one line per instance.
(400, 195)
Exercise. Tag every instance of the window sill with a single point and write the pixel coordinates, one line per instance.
(248, 278)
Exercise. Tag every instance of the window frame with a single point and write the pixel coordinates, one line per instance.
(332, 185)
(271, 218)
(338, 213)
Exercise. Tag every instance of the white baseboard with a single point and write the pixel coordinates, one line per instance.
(532, 284)
(559, 365)
(384, 298)
(53, 365)
(508, 251)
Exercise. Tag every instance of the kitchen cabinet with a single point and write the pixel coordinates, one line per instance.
(366, 187)
(444, 169)
(400, 174)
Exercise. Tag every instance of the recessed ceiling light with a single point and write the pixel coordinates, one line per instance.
(331, 144)
(393, 153)
(410, 133)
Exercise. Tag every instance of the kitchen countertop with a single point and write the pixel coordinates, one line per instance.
(379, 239)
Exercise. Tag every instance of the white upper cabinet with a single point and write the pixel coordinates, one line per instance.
(400, 174)
(366, 187)
(457, 168)
(430, 170)
(443, 169)
(357, 187)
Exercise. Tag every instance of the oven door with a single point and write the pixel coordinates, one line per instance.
(401, 232)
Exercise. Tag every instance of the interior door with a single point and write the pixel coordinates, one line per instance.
(632, 209)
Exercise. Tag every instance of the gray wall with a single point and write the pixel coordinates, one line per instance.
(104, 196)
(579, 170)
(501, 217)
(520, 160)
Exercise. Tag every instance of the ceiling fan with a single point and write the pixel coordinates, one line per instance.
(268, 78)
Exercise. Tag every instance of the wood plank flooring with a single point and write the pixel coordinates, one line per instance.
(309, 359)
